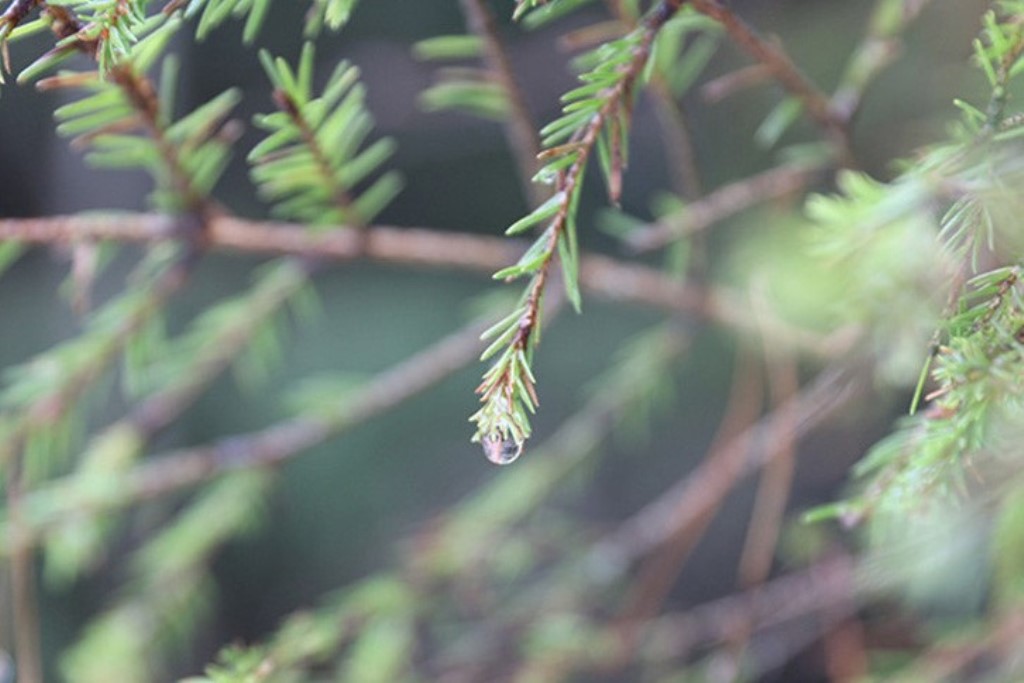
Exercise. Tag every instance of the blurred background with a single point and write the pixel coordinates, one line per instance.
(342, 510)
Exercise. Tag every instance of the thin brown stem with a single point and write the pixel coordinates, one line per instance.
(722, 203)
(605, 277)
(520, 128)
(27, 648)
(685, 503)
(776, 480)
(658, 573)
(339, 194)
(879, 48)
(678, 147)
(786, 72)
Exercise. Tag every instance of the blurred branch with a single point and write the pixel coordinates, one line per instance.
(172, 471)
(658, 572)
(678, 145)
(678, 148)
(602, 276)
(49, 408)
(822, 588)
(967, 658)
(162, 407)
(520, 128)
(786, 72)
(722, 203)
(24, 599)
(776, 480)
(685, 503)
(766, 518)
(718, 89)
(879, 48)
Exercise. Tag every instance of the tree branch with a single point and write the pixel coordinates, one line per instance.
(788, 75)
(605, 277)
(722, 203)
(876, 51)
(686, 502)
(163, 474)
(520, 128)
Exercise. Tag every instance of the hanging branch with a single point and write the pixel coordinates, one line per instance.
(597, 116)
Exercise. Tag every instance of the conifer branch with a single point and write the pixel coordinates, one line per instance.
(313, 159)
(722, 203)
(685, 502)
(604, 277)
(789, 76)
(679, 151)
(182, 152)
(520, 129)
(878, 49)
(597, 117)
(169, 472)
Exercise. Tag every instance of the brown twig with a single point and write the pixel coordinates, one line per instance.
(25, 612)
(685, 503)
(678, 143)
(520, 128)
(777, 478)
(724, 202)
(724, 86)
(786, 72)
(602, 276)
(658, 572)
(879, 48)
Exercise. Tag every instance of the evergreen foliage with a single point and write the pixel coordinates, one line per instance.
(911, 282)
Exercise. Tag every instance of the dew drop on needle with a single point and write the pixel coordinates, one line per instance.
(501, 450)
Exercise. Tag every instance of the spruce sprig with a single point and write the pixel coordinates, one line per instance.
(596, 119)
(313, 166)
(123, 122)
(126, 121)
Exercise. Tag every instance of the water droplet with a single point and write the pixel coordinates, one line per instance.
(501, 450)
